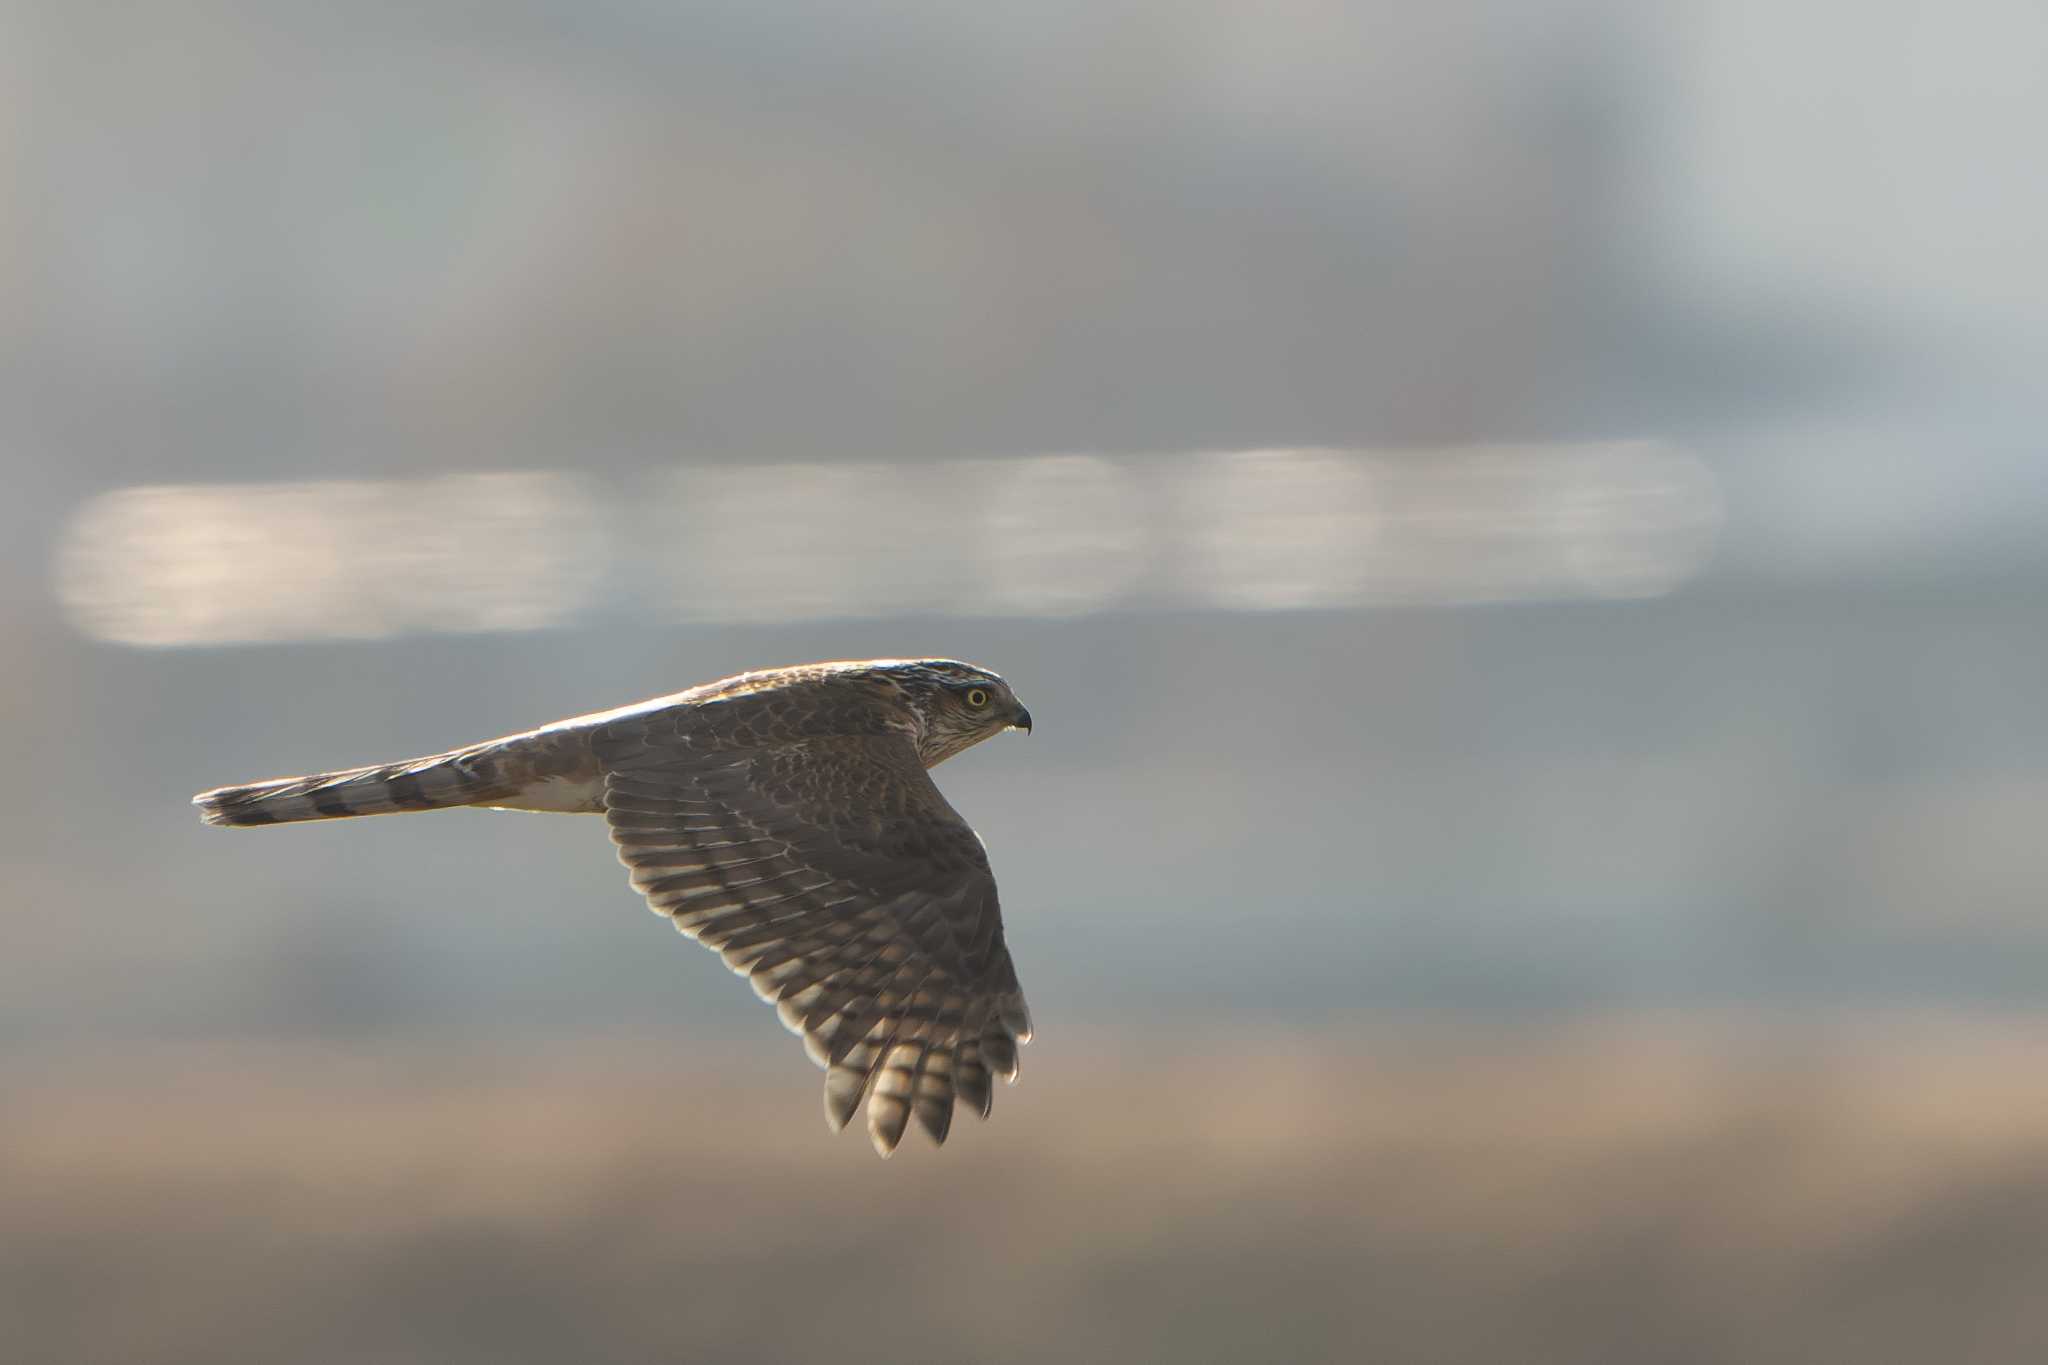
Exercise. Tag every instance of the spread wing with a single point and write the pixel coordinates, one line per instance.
(831, 873)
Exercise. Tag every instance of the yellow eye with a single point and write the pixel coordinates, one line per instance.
(977, 698)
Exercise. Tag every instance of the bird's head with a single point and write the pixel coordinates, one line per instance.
(956, 705)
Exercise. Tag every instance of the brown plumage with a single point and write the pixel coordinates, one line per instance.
(786, 819)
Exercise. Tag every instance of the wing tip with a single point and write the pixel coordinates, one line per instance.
(231, 808)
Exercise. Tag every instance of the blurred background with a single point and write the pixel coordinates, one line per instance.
(1524, 529)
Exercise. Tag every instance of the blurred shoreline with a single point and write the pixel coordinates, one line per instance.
(1724, 1187)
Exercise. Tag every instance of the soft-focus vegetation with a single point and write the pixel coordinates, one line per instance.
(1620, 1192)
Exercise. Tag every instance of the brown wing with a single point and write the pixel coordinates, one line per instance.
(832, 873)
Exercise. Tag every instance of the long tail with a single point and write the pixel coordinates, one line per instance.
(461, 778)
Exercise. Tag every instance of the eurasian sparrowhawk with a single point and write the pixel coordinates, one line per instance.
(786, 819)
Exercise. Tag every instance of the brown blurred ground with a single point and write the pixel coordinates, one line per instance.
(1634, 1191)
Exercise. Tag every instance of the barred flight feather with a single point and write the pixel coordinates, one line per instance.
(785, 819)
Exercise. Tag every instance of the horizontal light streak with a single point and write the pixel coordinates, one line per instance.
(242, 563)
(1045, 536)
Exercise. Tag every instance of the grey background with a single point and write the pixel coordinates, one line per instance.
(258, 244)
(1524, 529)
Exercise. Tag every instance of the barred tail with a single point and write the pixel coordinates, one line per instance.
(452, 779)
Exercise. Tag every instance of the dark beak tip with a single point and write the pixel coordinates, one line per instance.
(1023, 720)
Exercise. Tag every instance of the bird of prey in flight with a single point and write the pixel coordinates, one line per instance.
(786, 819)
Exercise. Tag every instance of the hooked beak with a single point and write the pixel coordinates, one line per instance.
(1021, 721)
